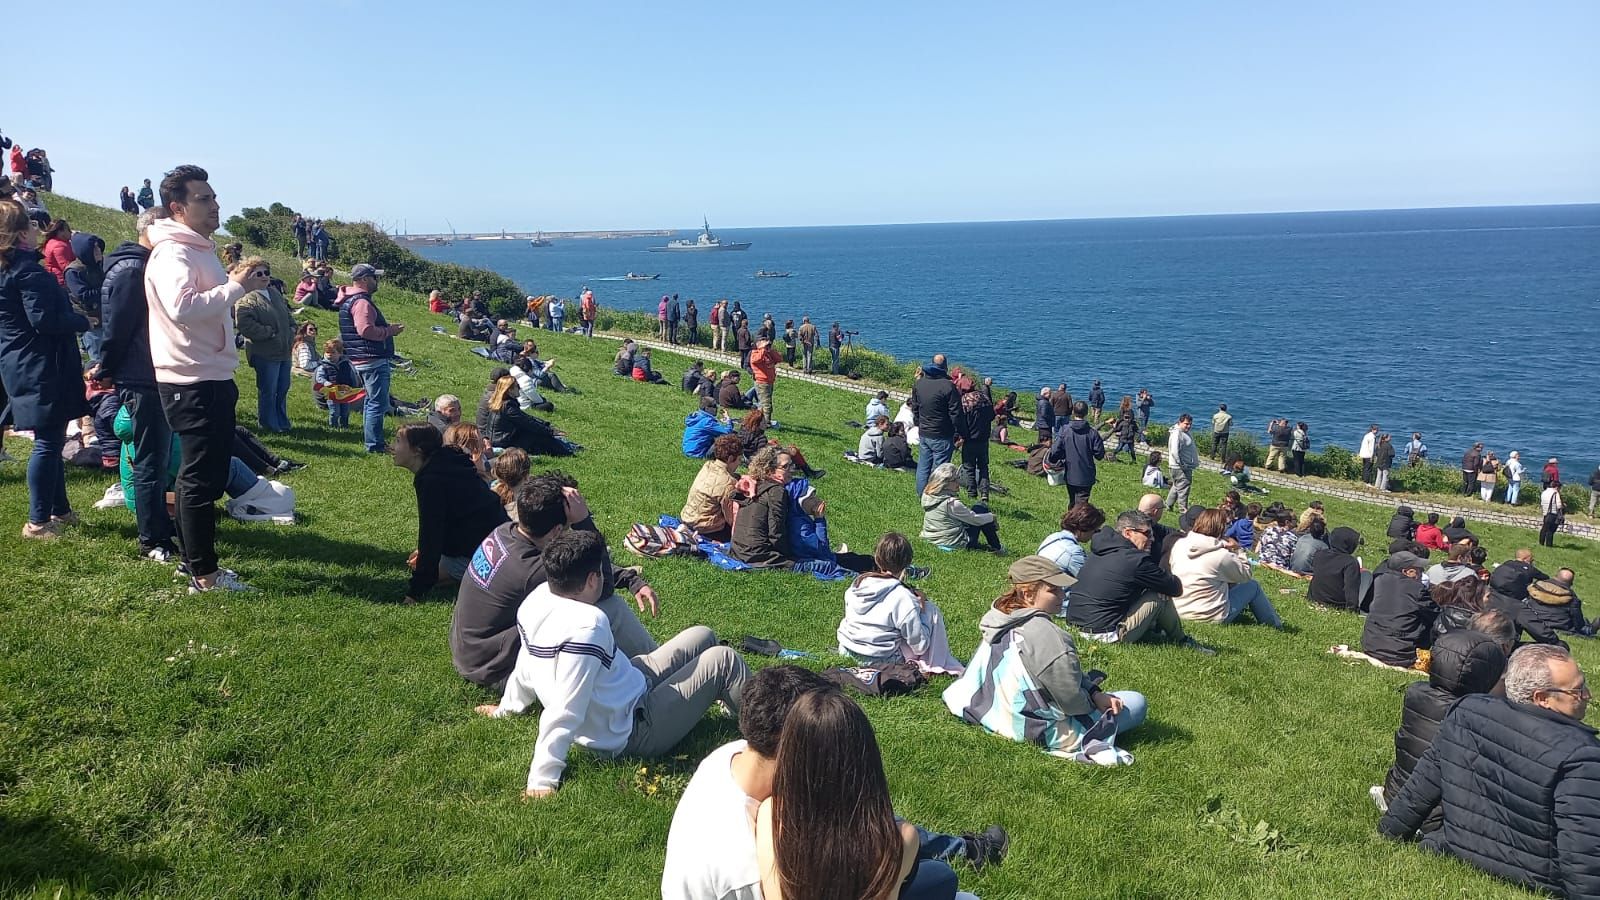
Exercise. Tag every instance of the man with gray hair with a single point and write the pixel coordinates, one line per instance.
(124, 361)
(1517, 780)
(446, 412)
(1121, 594)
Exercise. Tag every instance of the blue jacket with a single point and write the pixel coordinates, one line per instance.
(85, 276)
(808, 535)
(125, 320)
(1244, 531)
(700, 430)
(356, 347)
(1077, 446)
(39, 361)
(1044, 414)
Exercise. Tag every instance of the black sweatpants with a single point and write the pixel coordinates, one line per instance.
(202, 415)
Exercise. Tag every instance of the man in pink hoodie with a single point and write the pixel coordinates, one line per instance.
(191, 303)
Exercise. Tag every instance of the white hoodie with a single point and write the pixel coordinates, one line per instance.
(1207, 569)
(569, 663)
(882, 620)
(191, 307)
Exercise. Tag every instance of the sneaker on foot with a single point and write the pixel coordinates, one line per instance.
(290, 465)
(161, 554)
(225, 580)
(71, 518)
(1376, 793)
(818, 473)
(48, 531)
(987, 848)
(916, 572)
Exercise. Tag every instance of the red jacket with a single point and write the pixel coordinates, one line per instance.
(764, 363)
(19, 160)
(437, 305)
(1552, 472)
(57, 256)
(1431, 537)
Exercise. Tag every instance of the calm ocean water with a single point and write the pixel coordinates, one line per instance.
(1465, 324)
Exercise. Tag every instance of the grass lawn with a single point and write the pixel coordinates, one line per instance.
(314, 738)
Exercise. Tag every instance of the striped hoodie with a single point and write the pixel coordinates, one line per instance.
(570, 665)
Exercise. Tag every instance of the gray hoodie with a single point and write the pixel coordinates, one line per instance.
(1048, 654)
(871, 446)
(882, 620)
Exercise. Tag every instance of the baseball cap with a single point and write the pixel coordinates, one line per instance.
(1405, 559)
(365, 270)
(1036, 568)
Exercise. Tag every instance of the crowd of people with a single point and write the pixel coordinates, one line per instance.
(799, 806)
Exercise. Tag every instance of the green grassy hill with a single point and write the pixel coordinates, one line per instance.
(314, 738)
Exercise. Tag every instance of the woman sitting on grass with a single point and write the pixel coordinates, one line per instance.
(510, 470)
(1025, 682)
(1276, 543)
(752, 434)
(466, 437)
(1217, 586)
(506, 425)
(948, 523)
(897, 450)
(304, 351)
(887, 621)
(455, 509)
(1068, 548)
(710, 505)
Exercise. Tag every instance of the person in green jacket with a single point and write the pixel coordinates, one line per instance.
(266, 323)
(240, 476)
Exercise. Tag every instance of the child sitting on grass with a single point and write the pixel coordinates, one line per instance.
(1243, 528)
(643, 371)
(335, 378)
(591, 694)
(1239, 477)
(1153, 478)
(887, 621)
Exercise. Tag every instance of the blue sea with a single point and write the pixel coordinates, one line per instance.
(1464, 324)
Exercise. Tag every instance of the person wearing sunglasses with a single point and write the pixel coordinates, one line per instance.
(1516, 780)
(1122, 595)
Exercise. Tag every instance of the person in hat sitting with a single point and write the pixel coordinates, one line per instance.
(1025, 681)
(1399, 624)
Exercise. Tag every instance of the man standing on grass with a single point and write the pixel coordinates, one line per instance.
(1280, 436)
(1369, 450)
(190, 301)
(764, 365)
(1221, 426)
(835, 345)
(369, 343)
(1076, 447)
(937, 406)
(808, 341)
(1182, 460)
(125, 362)
(1469, 468)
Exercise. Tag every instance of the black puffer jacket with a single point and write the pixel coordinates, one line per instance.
(1519, 790)
(1335, 574)
(1511, 578)
(1457, 530)
(937, 404)
(1464, 662)
(1551, 606)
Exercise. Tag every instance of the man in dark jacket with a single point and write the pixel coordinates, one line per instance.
(1402, 524)
(1401, 616)
(1457, 531)
(1552, 607)
(1517, 781)
(1336, 576)
(1076, 446)
(1044, 416)
(1464, 662)
(1508, 583)
(507, 567)
(937, 405)
(1121, 594)
(1469, 468)
(125, 362)
(1097, 400)
(369, 344)
(85, 278)
(455, 508)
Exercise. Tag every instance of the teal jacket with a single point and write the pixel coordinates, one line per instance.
(123, 426)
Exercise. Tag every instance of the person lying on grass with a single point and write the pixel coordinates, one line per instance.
(887, 621)
(455, 508)
(711, 850)
(592, 694)
(506, 425)
(948, 523)
(507, 567)
(1025, 682)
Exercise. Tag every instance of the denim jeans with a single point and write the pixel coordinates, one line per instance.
(375, 376)
(91, 341)
(834, 352)
(588, 328)
(152, 454)
(1133, 710)
(272, 393)
(1513, 491)
(240, 478)
(1250, 595)
(806, 353)
(47, 474)
(935, 451)
(555, 322)
(339, 414)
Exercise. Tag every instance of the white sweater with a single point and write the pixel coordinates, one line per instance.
(569, 663)
(191, 307)
(882, 620)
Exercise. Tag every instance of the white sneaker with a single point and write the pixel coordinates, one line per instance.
(226, 580)
(1376, 793)
(160, 554)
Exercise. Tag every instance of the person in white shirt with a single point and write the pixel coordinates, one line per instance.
(592, 695)
(1514, 472)
(878, 406)
(711, 847)
(1369, 449)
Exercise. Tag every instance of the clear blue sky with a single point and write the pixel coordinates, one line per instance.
(580, 115)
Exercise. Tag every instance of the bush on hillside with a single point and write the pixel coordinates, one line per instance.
(1426, 479)
(358, 242)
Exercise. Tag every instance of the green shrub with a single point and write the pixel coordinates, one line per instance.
(1157, 435)
(1334, 462)
(1429, 479)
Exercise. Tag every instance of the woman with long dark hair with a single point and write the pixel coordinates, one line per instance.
(40, 366)
(828, 832)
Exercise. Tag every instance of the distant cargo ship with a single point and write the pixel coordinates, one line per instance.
(706, 241)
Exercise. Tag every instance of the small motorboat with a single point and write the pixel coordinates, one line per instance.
(638, 276)
(763, 273)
